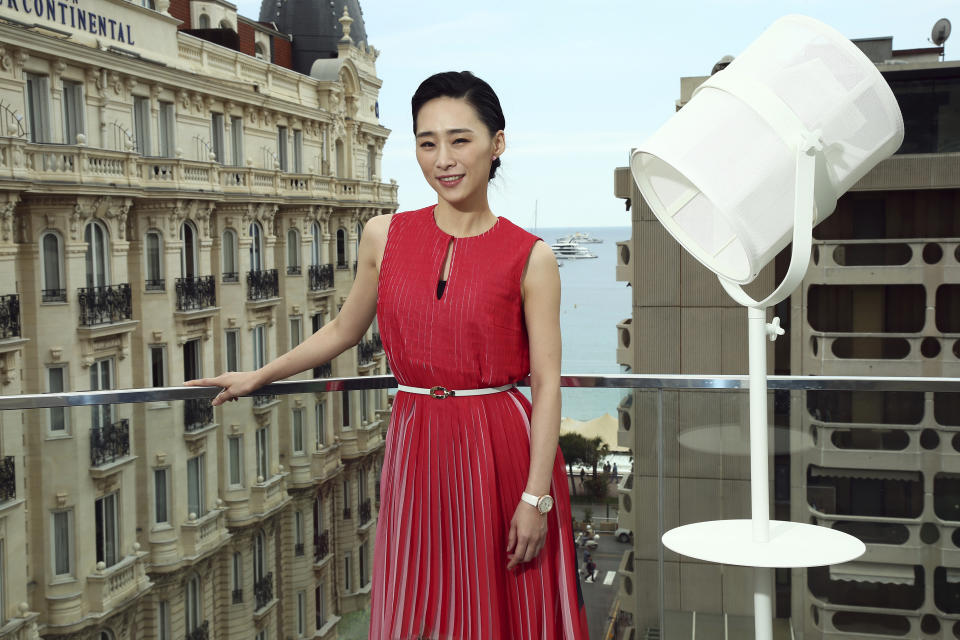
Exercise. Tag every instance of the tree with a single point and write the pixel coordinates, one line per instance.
(574, 448)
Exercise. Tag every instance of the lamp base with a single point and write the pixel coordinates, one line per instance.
(791, 544)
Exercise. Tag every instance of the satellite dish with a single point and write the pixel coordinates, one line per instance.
(940, 32)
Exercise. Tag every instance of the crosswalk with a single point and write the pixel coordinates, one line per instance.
(607, 580)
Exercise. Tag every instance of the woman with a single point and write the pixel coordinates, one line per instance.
(474, 538)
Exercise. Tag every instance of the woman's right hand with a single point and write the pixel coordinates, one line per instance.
(232, 385)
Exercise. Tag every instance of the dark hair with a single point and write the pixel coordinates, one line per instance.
(462, 84)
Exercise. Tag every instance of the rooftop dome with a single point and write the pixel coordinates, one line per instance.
(314, 25)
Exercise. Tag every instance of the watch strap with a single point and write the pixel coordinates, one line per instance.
(529, 498)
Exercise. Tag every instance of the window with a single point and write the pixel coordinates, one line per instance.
(52, 250)
(363, 564)
(345, 405)
(234, 460)
(346, 571)
(298, 430)
(282, 148)
(196, 499)
(346, 498)
(141, 124)
(161, 505)
(237, 578)
(204, 21)
(154, 253)
(229, 247)
(258, 52)
(193, 604)
(371, 162)
(216, 137)
(341, 249)
(163, 620)
(256, 247)
(231, 349)
(317, 516)
(364, 412)
(97, 256)
(57, 383)
(301, 613)
(158, 365)
(296, 331)
(297, 151)
(236, 140)
(298, 528)
(321, 604)
(316, 239)
(192, 360)
(168, 129)
(259, 556)
(101, 378)
(340, 169)
(72, 111)
(293, 252)
(263, 453)
(108, 529)
(38, 107)
(62, 543)
(188, 250)
(262, 634)
(259, 348)
(321, 426)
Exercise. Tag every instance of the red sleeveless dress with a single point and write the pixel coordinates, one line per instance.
(454, 468)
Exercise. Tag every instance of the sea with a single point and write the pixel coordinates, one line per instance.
(592, 303)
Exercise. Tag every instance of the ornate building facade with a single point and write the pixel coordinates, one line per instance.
(177, 200)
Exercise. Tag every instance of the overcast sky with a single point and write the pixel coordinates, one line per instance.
(583, 82)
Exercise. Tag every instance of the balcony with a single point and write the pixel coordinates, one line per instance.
(366, 349)
(204, 534)
(263, 591)
(155, 285)
(8, 479)
(365, 512)
(109, 587)
(358, 442)
(321, 277)
(53, 295)
(197, 414)
(202, 632)
(321, 546)
(268, 496)
(262, 285)
(377, 343)
(230, 276)
(323, 371)
(109, 443)
(195, 294)
(9, 316)
(104, 305)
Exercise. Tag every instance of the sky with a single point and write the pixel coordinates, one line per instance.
(581, 83)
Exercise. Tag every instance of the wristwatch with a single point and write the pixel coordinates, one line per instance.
(543, 503)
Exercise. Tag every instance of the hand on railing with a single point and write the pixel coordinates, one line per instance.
(233, 385)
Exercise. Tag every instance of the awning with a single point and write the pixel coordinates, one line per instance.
(874, 572)
(869, 474)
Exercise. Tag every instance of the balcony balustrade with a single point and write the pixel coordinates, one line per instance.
(293, 270)
(8, 479)
(323, 371)
(260, 401)
(196, 293)
(202, 632)
(262, 285)
(104, 305)
(365, 352)
(230, 276)
(377, 343)
(365, 512)
(10, 316)
(155, 285)
(109, 443)
(53, 295)
(321, 277)
(197, 414)
(321, 546)
(263, 590)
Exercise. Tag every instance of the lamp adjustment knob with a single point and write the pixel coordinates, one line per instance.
(774, 329)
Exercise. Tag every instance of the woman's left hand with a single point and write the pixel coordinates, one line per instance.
(528, 534)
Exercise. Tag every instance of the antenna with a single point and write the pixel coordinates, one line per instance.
(940, 33)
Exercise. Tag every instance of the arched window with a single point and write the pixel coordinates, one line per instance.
(193, 604)
(204, 21)
(51, 247)
(258, 52)
(256, 247)
(340, 169)
(105, 634)
(315, 243)
(153, 253)
(188, 250)
(341, 249)
(293, 252)
(229, 251)
(98, 252)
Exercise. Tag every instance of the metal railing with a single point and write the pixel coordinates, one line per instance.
(321, 277)
(10, 316)
(197, 414)
(323, 371)
(263, 590)
(109, 443)
(321, 546)
(262, 285)
(8, 479)
(365, 511)
(104, 305)
(199, 292)
(202, 632)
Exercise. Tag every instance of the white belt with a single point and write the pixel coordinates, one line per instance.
(440, 393)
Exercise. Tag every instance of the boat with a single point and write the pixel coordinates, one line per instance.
(580, 237)
(570, 251)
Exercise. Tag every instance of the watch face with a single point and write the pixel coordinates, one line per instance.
(545, 504)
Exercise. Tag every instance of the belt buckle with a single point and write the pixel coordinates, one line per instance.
(440, 393)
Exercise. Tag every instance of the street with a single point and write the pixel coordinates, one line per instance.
(598, 596)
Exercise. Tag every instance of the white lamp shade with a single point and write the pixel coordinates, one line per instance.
(720, 173)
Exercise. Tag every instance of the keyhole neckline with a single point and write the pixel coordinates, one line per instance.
(433, 217)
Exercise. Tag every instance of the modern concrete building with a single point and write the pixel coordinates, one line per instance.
(177, 201)
(879, 299)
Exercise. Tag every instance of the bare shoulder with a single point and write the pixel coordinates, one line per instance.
(377, 227)
(542, 261)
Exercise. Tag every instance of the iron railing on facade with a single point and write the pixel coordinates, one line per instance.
(53, 295)
(109, 443)
(104, 305)
(230, 276)
(298, 549)
(377, 343)
(365, 351)
(321, 277)
(263, 590)
(321, 545)
(201, 632)
(263, 285)
(198, 292)
(347, 514)
(8, 479)
(10, 316)
(365, 512)
(155, 285)
(342, 264)
(197, 414)
(323, 371)
(259, 401)
(293, 269)
(237, 596)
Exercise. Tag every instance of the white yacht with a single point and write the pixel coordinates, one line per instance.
(580, 237)
(570, 251)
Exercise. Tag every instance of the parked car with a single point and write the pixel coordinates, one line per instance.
(623, 535)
